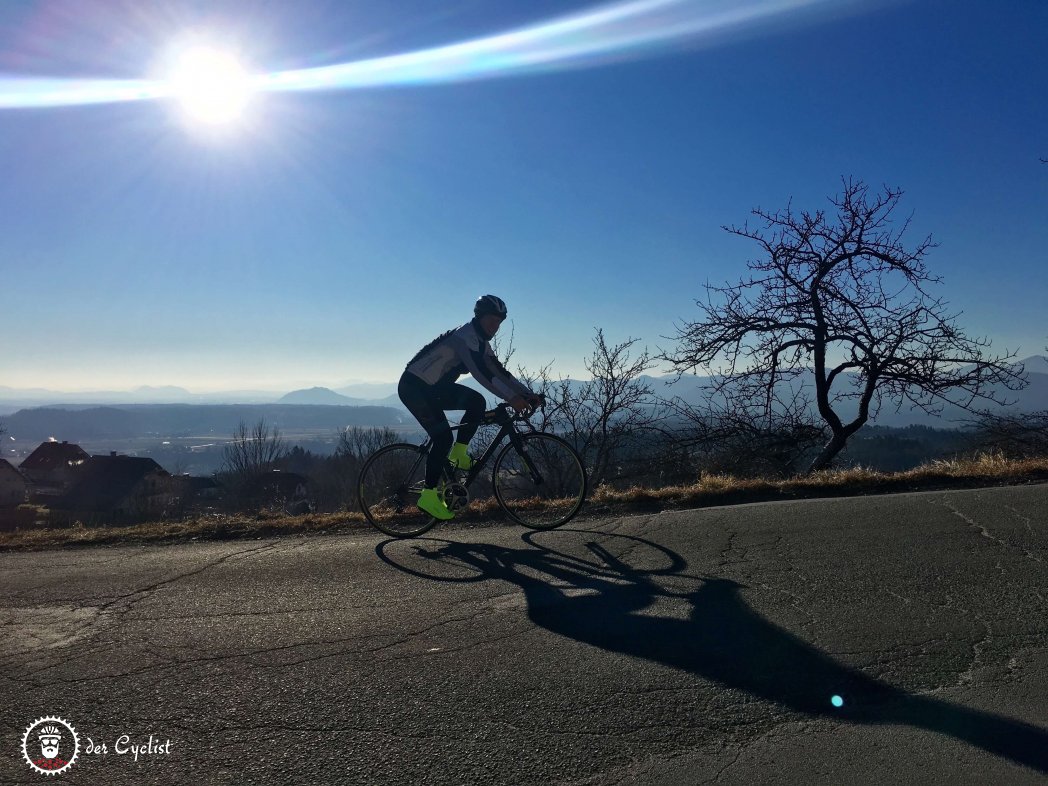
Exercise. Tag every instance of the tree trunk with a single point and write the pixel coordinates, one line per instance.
(838, 441)
(827, 454)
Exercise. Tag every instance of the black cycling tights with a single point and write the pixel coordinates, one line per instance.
(428, 403)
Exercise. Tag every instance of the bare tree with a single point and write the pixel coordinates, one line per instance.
(251, 453)
(735, 435)
(839, 296)
(358, 443)
(335, 477)
(605, 415)
(1015, 436)
(503, 347)
(1019, 435)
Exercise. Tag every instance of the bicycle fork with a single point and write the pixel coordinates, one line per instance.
(518, 444)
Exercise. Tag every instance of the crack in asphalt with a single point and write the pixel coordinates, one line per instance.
(111, 600)
(985, 532)
(145, 592)
(728, 548)
(106, 610)
(735, 760)
(1028, 522)
(175, 662)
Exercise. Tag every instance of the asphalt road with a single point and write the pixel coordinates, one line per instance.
(685, 647)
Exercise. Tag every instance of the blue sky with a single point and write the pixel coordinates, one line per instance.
(333, 232)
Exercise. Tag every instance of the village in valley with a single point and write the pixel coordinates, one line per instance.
(75, 486)
(61, 483)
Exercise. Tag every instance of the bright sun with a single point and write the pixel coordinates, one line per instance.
(212, 87)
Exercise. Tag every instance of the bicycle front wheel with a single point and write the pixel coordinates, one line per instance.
(543, 484)
(390, 483)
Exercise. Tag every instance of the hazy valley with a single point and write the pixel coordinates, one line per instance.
(187, 432)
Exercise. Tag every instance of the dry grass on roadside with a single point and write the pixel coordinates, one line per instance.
(709, 490)
(714, 489)
(210, 527)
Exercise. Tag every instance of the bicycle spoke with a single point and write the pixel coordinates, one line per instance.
(544, 486)
(389, 487)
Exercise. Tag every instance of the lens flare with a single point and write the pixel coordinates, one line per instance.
(38, 92)
(211, 86)
(837, 701)
(615, 31)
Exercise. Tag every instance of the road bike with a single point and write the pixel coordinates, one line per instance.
(537, 479)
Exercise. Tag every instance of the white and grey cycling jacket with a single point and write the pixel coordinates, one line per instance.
(465, 350)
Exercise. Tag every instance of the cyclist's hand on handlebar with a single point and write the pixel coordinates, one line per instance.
(525, 405)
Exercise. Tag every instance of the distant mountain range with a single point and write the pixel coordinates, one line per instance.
(360, 394)
(690, 389)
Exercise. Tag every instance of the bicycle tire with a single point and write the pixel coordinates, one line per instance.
(560, 495)
(388, 488)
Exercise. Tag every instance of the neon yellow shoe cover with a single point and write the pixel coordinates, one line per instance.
(430, 502)
(459, 457)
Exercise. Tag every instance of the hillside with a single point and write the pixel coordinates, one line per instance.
(318, 396)
(326, 396)
(177, 420)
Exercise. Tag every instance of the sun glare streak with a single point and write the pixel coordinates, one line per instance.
(616, 31)
(37, 92)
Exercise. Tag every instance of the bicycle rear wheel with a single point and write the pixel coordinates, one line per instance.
(543, 485)
(389, 486)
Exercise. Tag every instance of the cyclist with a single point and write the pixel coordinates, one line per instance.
(428, 388)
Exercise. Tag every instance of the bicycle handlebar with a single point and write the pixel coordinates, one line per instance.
(501, 412)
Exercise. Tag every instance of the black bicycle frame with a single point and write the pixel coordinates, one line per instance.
(507, 430)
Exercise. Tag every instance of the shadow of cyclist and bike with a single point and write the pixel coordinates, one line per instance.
(594, 597)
